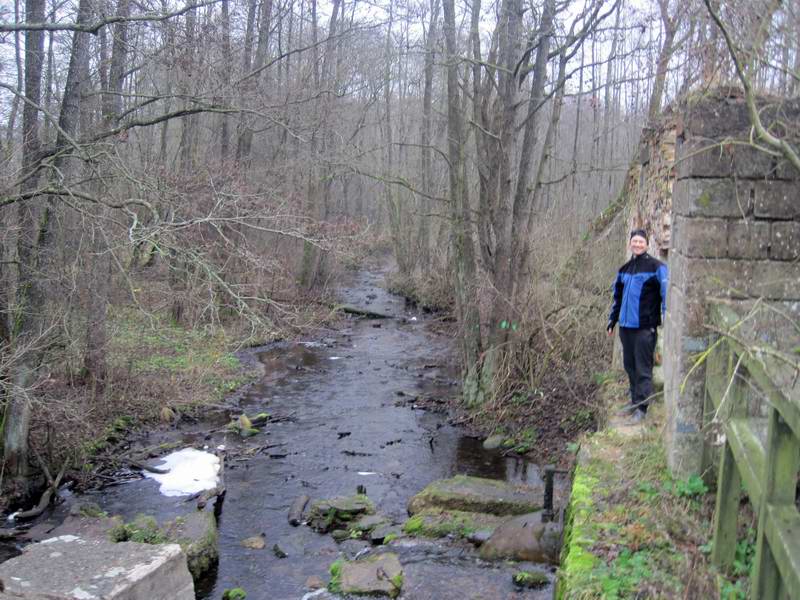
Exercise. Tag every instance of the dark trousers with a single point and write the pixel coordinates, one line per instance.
(638, 346)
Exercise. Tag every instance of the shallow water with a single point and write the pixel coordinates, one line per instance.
(349, 395)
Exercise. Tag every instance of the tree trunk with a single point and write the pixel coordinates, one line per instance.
(224, 144)
(459, 209)
(33, 223)
(423, 240)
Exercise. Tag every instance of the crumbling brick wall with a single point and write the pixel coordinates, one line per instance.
(735, 234)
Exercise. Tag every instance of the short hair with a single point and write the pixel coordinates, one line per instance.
(640, 233)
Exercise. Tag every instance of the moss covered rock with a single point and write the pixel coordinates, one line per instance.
(339, 512)
(196, 533)
(381, 574)
(524, 538)
(478, 495)
(435, 522)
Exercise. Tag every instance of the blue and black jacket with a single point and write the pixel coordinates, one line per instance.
(640, 293)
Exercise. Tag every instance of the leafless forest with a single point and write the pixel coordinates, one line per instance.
(219, 163)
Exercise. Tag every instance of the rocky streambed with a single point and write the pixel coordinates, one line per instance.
(399, 498)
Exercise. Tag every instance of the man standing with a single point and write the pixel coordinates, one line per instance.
(640, 293)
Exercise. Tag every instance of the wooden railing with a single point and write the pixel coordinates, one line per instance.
(753, 404)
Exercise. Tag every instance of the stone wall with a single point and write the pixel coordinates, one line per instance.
(735, 234)
(650, 186)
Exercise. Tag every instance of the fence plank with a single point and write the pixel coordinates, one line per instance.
(726, 515)
(782, 462)
(783, 534)
(748, 448)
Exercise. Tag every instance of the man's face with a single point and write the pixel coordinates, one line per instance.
(638, 245)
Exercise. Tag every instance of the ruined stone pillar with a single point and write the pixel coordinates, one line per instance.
(735, 234)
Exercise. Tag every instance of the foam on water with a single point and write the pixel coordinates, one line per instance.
(190, 471)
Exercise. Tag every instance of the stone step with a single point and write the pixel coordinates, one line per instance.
(90, 569)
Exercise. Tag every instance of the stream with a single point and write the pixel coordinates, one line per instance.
(347, 400)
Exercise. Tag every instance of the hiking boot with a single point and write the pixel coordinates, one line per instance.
(638, 416)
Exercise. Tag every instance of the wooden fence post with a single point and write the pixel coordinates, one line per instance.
(783, 461)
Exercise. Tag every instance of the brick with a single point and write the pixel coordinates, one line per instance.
(751, 163)
(713, 198)
(703, 158)
(701, 237)
(786, 170)
(715, 117)
(742, 279)
(777, 200)
(785, 241)
(776, 281)
(749, 239)
(677, 271)
(718, 277)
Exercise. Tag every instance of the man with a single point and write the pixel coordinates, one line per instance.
(640, 293)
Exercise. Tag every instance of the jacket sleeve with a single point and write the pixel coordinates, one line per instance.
(663, 281)
(613, 316)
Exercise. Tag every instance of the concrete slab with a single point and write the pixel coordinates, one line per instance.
(69, 567)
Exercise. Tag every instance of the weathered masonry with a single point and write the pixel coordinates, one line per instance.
(735, 236)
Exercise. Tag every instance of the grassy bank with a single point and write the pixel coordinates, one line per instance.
(633, 531)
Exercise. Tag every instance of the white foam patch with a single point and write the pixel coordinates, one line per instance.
(190, 471)
(63, 538)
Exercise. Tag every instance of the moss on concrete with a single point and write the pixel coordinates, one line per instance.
(435, 523)
(631, 531)
(197, 535)
(475, 494)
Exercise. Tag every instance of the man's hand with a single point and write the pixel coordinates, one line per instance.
(610, 331)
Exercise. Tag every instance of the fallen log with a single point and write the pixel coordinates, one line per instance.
(361, 312)
(12, 533)
(145, 467)
(47, 496)
(296, 510)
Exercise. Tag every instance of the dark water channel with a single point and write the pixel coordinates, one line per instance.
(349, 425)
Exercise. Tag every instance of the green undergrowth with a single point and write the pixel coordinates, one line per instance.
(151, 347)
(632, 530)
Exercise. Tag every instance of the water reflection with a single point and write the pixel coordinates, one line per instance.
(472, 459)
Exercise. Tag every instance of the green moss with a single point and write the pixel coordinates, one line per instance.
(704, 199)
(413, 525)
(390, 538)
(92, 511)
(397, 582)
(335, 584)
(530, 579)
(628, 531)
(436, 523)
(143, 529)
(234, 594)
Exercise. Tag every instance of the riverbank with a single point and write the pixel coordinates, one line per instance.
(633, 530)
(362, 407)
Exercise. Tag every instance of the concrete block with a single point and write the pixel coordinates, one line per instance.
(785, 241)
(713, 198)
(95, 569)
(748, 239)
(786, 170)
(751, 163)
(715, 116)
(685, 454)
(777, 200)
(698, 157)
(684, 399)
(776, 281)
(676, 266)
(717, 277)
(742, 279)
(695, 237)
